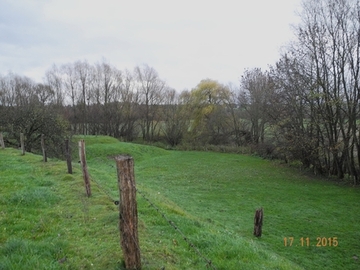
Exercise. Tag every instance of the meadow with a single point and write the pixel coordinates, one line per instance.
(47, 222)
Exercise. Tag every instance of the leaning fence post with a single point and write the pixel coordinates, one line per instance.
(2, 141)
(128, 219)
(258, 222)
(68, 156)
(43, 147)
(22, 143)
(82, 157)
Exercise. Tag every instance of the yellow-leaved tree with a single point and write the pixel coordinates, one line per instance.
(209, 122)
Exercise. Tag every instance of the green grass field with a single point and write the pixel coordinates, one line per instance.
(47, 222)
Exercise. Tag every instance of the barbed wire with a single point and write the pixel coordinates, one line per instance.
(209, 263)
(186, 239)
(116, 202)
(85, 204)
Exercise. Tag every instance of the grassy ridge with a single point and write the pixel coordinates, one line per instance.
(46, 222)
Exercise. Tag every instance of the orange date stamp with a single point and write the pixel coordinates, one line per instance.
(307, 242)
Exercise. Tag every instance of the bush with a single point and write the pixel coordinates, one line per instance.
(265, 150)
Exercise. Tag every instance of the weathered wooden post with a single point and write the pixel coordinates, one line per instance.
(82, 157)
(258, 222)
(2, 141)
(22, 143)
(68, 156)
(128, 221)
(43, 147)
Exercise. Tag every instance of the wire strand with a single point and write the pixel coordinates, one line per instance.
(170, 222)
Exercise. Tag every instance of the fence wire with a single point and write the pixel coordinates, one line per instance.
(116, 202)
(186, 239)
(209, 263)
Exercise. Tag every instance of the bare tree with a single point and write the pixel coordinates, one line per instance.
(175, 122)
(105, 91)
(68, 81)
(83, 73)
(240, 132)
(327, 56)
(293, 113)
(150, 88)
(256, 92)
(27, 108)
(53, 78)
(128, 107)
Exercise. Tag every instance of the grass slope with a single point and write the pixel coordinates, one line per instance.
(47, 222)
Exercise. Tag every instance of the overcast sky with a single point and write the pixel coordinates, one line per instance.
(185, 41)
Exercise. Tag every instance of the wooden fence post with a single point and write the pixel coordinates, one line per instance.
(82, 157)
(22, 143)
(258, 222)
(128, 212)
(43, 147)
(2, 141)
(68, 156)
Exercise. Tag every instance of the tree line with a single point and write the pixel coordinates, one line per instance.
(305, 107)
